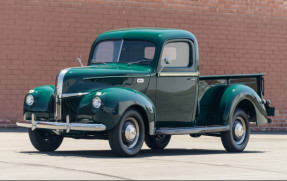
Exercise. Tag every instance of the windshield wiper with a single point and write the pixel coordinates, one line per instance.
(140, 61)
(95, 62)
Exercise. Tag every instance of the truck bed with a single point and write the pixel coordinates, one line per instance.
(211, 89)
(255, 81)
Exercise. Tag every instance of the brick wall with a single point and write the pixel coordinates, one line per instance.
(38, 38)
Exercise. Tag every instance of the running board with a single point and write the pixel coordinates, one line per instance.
(191, 130)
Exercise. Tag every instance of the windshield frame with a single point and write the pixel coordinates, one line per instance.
(95, 44)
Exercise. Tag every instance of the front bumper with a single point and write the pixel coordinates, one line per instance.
(33, 124)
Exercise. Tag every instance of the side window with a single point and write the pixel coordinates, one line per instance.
(178, 52)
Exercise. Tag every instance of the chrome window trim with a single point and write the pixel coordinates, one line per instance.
(58, 96)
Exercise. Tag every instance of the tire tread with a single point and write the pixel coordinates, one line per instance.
(152, 143)
(41, 146)
(227, 139)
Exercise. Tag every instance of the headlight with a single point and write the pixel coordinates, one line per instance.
(30, 100)
(96, 102)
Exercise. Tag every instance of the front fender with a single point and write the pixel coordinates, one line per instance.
(115, 101)
(233, 95)
(44, 102)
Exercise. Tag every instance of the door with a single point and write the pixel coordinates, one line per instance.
(177, 85)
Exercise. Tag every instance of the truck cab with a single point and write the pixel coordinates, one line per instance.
(143, 85)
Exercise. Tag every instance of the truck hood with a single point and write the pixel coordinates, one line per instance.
(91, 78)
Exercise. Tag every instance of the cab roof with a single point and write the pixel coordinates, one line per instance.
(156, 35)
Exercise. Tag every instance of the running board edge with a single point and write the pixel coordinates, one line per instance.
(191, 130)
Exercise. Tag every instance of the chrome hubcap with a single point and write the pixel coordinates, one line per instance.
(239, 130)
(130, 132)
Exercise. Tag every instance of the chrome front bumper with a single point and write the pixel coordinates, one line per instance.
(33, 124)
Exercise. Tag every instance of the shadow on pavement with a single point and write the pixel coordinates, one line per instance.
(14, 130)
(144, 153)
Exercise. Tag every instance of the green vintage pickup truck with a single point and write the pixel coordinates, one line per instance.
(143, 85)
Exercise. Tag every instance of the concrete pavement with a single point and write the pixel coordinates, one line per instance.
(184, 158)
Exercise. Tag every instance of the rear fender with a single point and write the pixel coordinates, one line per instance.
(233, 95)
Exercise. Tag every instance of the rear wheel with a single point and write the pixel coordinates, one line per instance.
(236, 139)
(44, 140)
(157, 142)
(126, 139)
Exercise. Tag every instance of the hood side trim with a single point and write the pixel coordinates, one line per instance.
(102, 77)
(74, 94)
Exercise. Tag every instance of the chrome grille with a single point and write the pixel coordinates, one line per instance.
(58, 97)
(70, 107)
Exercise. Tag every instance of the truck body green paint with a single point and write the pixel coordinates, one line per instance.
(166, 97)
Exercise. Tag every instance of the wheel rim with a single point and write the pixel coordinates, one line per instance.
(130, 132)
(239, 130)
(160, 138)
(49, 137)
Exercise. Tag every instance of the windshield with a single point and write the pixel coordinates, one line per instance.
(127, 51)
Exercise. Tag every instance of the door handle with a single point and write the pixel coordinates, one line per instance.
(191, 78)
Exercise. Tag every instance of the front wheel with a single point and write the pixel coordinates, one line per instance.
(44, 140)
(236, 139)
(157, 142)
(126, 139)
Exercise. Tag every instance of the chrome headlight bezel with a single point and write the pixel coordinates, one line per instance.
(30, 99)
(96, 102)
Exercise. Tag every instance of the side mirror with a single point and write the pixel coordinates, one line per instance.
(80, 60)
(166, 60)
